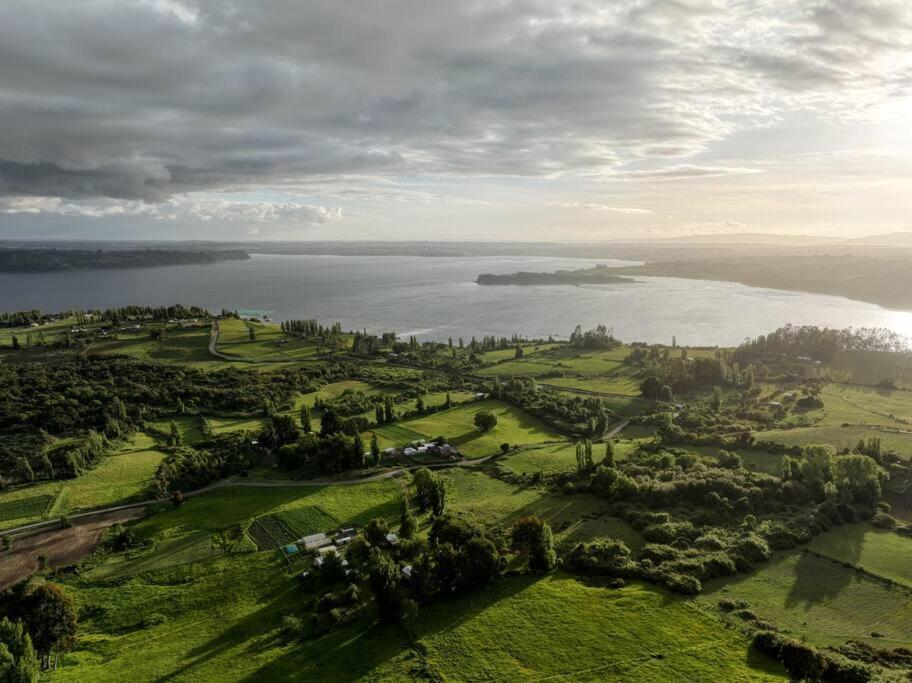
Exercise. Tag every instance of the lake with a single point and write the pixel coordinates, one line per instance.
(436, 298)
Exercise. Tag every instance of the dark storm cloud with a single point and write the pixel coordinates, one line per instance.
(143, 100)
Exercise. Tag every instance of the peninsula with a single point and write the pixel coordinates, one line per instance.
(599, 275)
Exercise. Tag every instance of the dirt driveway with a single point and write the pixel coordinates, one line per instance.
(62, 546)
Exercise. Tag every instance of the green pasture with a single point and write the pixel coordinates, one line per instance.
(839, 437)
(556, 628)
(119, 477)
(548, 459)
(819, 599)
(222, 425)
(508, 353)
(879, 551)
(625, 386)
(187, 425)
(178, 345)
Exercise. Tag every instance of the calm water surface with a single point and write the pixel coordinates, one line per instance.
(435, 298)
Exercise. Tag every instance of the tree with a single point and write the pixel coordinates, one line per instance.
(803, 663)
(519, 352)
(305, 419)
(18, 659)
(383, 578)
(608, 460)
(330, 423)
(408, 525)
(485, 420)
(715, 402)
(283, 431)
(375, 449)
(375, 532)
(50, 617)
(533, 536)
(650, 387)
(251, 333)
(584, 461)
(477, 562)
(175, 439)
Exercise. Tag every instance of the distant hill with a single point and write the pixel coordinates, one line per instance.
(890, 239)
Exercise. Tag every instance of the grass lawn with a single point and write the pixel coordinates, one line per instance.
(626, 386)
(219, 620)
(122, 476)
(183, 535)
(179, 345)
(878, 551)
(555, 627)
(755, 461)
(486, 499)
(560, 457)
(506, 354)
(839, 437)
(527, 368)
(513, 426)
(180, 609)
(222, 425)
(116, 479)
(818, 598)
(187, 425)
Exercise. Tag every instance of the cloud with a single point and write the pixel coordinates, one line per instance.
(185, 208)
(154, 101)
(591, 206)
(683, 171)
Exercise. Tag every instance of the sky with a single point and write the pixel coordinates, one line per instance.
(442, 120)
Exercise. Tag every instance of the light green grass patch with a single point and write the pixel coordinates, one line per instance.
(625, 386)
(221, 620)
(839, 437)
(115, 479)
(557, 628)
(187, 425)
(879, 551)
(549, 459)
(818, 598)
(223, 425)
(514, 426)
(486, 499)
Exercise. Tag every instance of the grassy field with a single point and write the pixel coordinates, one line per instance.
(557, 628)
(560, 457)
(486, 499)
(625, 386)
(881, 552)
(122, 476)
(188, 426)
(222, 425)
(234, 340)
(839, 437)
(178, 345)
(507, 354)
(513, 426)
(821, 599)
(117, 478)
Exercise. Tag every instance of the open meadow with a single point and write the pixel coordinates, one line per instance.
(514, 427)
